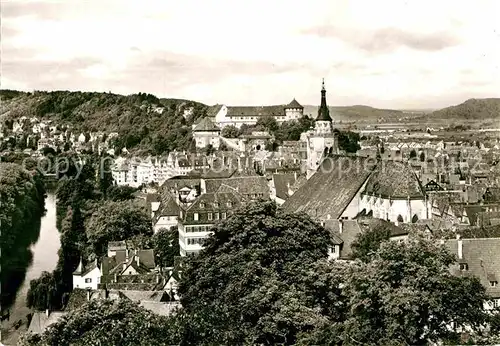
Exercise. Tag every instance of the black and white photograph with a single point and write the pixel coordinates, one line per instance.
(265, 172)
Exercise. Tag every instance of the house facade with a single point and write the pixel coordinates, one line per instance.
(196, 222)
(205, 133)
(88, 277)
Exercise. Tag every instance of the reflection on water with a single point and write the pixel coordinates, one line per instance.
(28, 262)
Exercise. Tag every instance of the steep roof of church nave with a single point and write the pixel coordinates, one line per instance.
(329, 191)
(394, 179)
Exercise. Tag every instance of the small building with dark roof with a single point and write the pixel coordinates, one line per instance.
(205, 133)
(478, 257)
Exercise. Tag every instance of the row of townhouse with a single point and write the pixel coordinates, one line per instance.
(136, 171)
(195, 204)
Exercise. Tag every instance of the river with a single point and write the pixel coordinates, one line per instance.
(45, 256)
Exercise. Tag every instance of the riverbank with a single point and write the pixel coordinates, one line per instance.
(45, 256)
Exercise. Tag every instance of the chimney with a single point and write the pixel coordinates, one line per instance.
(88, 294)
(47, 312)
(341, 226)
(157, 279)
(295, 175)
(459, 247)
(137, 259)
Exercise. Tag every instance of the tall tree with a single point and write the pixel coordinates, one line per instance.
(251, 271)
(166, 246)
(230, 131)
(106, 322)
(407, 295)
(114, 221)
(105, 178)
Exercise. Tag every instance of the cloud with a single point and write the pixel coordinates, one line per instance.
(386, 39)
(38, 9)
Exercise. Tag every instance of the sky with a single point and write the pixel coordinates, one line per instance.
(384, 53)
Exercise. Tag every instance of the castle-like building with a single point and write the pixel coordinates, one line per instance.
(322, 140)
(223, 115)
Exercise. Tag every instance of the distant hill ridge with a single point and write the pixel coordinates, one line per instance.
(472, 109)
(357, 113)
(142, 120)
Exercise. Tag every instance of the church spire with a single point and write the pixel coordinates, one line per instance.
(323, 112)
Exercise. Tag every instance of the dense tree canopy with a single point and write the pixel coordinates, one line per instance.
(368, 242)
(406, 295)
(166, 246)
(22, 197)
(230, 131)
(120, 193)
(348, 141)
(106, 322)
(250, 272)
(264, 278)
(114, 221)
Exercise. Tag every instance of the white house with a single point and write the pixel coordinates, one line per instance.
(167, 214)
(88, 277)
(81, 138)
(205, 133)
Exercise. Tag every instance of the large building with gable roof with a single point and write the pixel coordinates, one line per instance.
(224, 115)
(347, 187)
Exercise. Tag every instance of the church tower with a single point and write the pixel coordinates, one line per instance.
(322, 141)
(323, 124)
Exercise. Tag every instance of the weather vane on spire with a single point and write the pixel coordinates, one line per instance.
(323, 84)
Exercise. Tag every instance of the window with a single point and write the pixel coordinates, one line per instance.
(464, 266)
(229, 204)
(495, 303)
(195, 216)
(216, 205)
(87, 281)
(224, 216)
(202, 205)
(217, 216)
(210, 216)
(493, 283)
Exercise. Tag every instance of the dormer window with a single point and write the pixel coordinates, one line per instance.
(202, 205)
(229, 204)
(493, 283)
(216, 205)
(464, 266)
